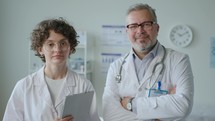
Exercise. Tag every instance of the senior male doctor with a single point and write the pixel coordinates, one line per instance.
(151, 82)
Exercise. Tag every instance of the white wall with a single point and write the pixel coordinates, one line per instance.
(17, 19)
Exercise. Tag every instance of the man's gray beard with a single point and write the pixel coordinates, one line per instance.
(142, 49)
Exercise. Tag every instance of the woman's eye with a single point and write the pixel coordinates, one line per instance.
(51, 44)
(62, 43)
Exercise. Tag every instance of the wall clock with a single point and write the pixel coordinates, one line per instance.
(181, 35)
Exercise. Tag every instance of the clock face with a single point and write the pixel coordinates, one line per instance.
(181, 35)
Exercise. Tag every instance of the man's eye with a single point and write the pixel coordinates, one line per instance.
(133, 26)
(147, 24)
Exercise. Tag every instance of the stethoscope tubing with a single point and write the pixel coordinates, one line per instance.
(119, 75)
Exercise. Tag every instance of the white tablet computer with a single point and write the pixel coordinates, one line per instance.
(78, 105)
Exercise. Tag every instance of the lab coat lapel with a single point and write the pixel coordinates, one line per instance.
(66, 89)
(130, 69)
(46, 95)
(62, 94)
(42, 88)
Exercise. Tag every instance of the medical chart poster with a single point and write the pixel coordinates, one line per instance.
(107, 59)
(114, 35)
(212, 53)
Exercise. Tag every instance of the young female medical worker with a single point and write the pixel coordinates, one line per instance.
(40, 96)
(151, 82)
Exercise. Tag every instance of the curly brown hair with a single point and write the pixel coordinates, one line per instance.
(41, 33)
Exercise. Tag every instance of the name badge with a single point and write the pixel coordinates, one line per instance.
(157, 92)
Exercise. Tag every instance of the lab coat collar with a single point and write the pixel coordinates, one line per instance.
(41, 86)
(66, 88)
(39, 77)
(39, 81)
(130, 68)
(70, 78)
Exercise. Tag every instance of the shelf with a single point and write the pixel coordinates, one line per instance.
(81, 60)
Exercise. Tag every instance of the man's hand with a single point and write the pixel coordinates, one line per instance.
(172, 90)
(124, 101)
(68, 118)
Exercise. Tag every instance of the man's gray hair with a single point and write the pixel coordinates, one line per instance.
(141, 6)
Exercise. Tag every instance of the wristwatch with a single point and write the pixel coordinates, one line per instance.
(129, 104)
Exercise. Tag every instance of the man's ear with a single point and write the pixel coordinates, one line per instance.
(158, 28)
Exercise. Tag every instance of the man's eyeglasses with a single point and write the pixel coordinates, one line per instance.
(145, 25)
(51, 46)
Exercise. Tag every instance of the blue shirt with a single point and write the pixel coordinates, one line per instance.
(142, 65)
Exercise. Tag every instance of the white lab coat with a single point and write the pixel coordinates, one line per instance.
(31, 100)
(173, 107)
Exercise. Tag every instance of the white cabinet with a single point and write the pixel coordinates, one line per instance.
(81, 60)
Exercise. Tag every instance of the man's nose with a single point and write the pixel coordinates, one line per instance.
(141, 29)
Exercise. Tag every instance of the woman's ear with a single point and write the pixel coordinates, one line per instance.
(39, 50)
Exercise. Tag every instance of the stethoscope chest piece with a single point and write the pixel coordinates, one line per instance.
(119, 75)
(118, 78)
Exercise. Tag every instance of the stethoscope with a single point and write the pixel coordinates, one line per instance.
(119, 75)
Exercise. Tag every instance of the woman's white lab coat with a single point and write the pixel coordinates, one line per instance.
(170, 107)
(31, 101)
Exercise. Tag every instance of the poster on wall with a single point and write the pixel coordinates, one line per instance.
(107, 59)
(114, 44)
(212, 53)
(114, 35)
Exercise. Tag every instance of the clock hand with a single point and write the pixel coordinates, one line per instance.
(183, 33)
(180, 34)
